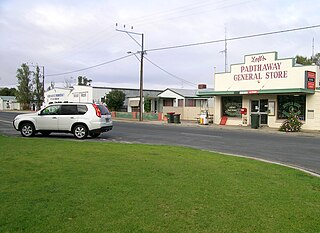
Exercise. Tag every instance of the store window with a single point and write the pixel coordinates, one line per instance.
(231, 106)
(291, 104)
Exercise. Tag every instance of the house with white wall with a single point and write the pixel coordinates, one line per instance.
(9, 103)
(185, 102)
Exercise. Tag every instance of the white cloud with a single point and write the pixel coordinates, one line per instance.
(51, 17)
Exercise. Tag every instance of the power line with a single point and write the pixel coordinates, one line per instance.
(232, 38)
(90, 67)
(172, 75)
(180, 12)
(187, 45)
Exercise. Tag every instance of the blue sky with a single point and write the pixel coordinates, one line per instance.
(64, 36)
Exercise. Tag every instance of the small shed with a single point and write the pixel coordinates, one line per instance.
(9, 103)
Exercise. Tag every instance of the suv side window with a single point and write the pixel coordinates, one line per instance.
(69, 110)
(51, 110)
(82, 109)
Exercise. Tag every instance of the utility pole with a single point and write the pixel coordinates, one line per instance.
(141, 66)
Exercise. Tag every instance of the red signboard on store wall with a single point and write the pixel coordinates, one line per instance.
(253, 92)
(310, 78)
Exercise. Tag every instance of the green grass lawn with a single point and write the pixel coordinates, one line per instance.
(80, 186)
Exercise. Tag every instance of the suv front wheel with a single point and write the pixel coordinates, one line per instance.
(80, 131)
(27, 129)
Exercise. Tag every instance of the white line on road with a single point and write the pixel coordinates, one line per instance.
(201, 135)
(8, 122)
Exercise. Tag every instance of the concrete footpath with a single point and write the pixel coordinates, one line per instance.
(264, 129)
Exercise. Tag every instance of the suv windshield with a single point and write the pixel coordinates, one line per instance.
(103, 109)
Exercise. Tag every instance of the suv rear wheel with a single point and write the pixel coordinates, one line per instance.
(80, 131)
(27, 129)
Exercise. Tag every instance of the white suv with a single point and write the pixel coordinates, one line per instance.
(81, 119)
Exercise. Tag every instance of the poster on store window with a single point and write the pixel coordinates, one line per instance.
(271, 108)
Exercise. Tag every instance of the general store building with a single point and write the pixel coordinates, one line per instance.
(269, 86)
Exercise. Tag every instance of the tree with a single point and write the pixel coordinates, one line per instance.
(68, 82)
(115, 100)
(24, 93)
(303, 60)
(51, 86)
(38, 88)
(147, 104)
(8, 91)
(84, 81)
(316, 59)
(308, 61)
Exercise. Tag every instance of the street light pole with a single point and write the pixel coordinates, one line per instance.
(141, 68)
(141, 80)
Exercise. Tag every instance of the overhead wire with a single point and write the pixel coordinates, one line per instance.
(232, 38)
(164, 70)
(170, 74)
(97, 38)
(94, 39)
(91, 42)
(186, 10)
(90, 67)
(183, 46)
(199, 11)
(162, 15)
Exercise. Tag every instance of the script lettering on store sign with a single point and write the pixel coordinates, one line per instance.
(258, 71)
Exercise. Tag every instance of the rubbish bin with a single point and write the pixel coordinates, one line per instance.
(170, 116)
(255, 121)
(176, 118)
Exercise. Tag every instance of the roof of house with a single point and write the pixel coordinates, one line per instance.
(190, 93)
(6, 98)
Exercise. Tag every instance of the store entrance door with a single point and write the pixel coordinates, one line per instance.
(260, 107)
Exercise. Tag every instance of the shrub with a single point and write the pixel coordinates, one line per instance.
(292, 124)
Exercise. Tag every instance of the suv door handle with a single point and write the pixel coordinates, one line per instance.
(71, 117)
(54, 117)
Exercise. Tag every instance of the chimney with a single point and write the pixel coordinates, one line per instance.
(202, 86)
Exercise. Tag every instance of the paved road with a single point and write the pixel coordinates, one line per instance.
(297, 150)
